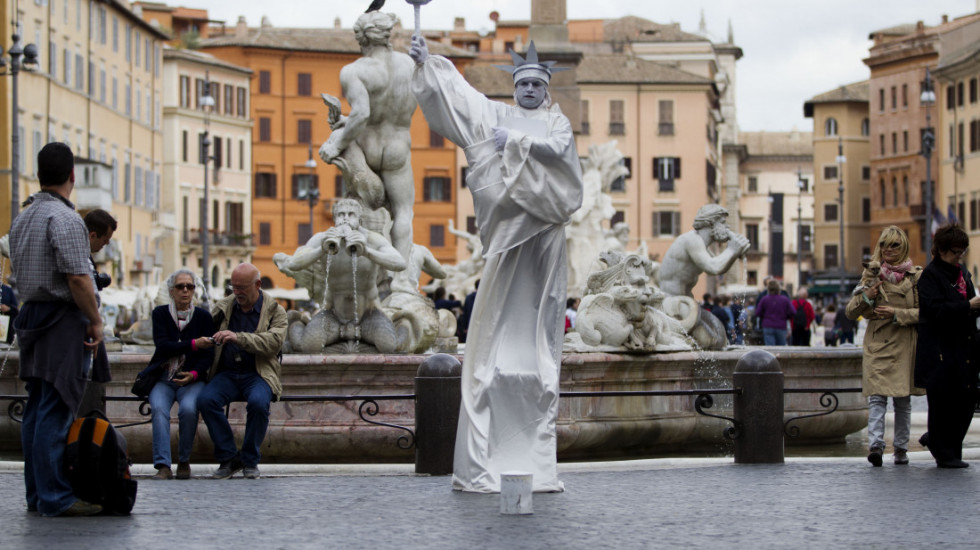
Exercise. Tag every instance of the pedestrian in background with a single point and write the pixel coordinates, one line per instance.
(802, 320)
(891, 306)
(774, 311)
(946, 360)
(829, 324)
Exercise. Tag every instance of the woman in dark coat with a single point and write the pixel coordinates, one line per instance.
(183, 355)
(946, 363)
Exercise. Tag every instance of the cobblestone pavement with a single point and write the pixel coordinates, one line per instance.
(830, 503)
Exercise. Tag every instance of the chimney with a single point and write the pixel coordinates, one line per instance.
(266, 24)
(459, 24)
(241, 28)
(945, 18)
(336, 22)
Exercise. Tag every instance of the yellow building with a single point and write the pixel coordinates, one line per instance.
(776, 206)
(98, 88)
(957, 122)
(840, 126)
(229, 178)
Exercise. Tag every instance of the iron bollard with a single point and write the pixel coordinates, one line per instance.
(758, 409)
(437, 398)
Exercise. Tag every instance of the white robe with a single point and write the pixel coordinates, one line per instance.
(523, 196)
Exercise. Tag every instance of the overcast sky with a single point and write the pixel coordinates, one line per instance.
(794, 50)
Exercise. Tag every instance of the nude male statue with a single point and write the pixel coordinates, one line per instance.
(352, 307)
(372, 145)
(688, 257)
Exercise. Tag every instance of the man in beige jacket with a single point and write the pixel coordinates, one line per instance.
(251, 328)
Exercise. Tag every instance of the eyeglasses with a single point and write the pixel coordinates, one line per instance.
(184, 286)
(958, 251)
(891, 246)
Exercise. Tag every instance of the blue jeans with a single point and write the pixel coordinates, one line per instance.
(43, 435)
(162, 399)
(774, 336)
(221, 390)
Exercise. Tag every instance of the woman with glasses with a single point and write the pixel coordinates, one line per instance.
(184, 352)
(891, 306)
(946, 362)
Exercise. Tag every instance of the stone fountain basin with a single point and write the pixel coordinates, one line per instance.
(588, 427)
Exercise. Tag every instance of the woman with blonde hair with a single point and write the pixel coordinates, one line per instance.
(890, 304)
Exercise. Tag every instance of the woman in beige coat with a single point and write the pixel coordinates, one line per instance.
(890, 304)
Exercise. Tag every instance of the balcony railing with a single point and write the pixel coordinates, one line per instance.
(218, 238)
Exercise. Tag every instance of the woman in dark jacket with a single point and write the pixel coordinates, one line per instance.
(946, 363)
(184, 353)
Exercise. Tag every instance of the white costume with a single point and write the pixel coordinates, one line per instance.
(523, 197)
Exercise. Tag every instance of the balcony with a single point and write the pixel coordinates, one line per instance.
(192, 237)
(93, 187)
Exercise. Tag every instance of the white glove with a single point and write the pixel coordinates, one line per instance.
(418, 50)
(500, 137)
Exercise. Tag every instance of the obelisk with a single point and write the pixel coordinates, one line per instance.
(549, 31)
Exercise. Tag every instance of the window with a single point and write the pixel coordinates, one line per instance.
(183, 145)
(830, 256)
(752, 234)
(752, 277)
(339, 186)
(894, 191)
(905, 140)
(241, 105)
(881, 100)
(617, 120)
(618, 217)
(894, 143)
(830, 212)
(950, 98)
(881, 192)
(201, 153)
(437, 189)
(115, 34)
(218, 158)
(666, 126)
(973, 214)
(666, 224)
(436, 140)
(265, 82)
(462, 176)
(304, 231)
(129, 42)
(830, 127)
(881, 143)
(437, 236)
(185, 91)
(973, 90)
(304, 131)
(974, 135)
(265, 185)
(585, 117)
(115, 93)
(804, 184)
(866, 127)
(753, 186)
(241, 154)
(905, 95)
(865, 173)
(865, 209)
(265, 233)
(666, 170)
(894, 98)
(959, 94)
(303, 184)
(265, 129)
(79, 72)
(830, 172)
(905, 189)
(129, 99)
(806, 238)
(229, 99)
(215, 92)
(304, 84)
(471, 225)
(198, 92)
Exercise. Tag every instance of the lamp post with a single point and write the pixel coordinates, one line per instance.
(206, 105)
(927, 100)
(799, 229)
(841, 159)
(311, 193)
(20, 59)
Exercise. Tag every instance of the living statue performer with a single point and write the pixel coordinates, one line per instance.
(689, 256)
(526, 182)
(351, 311)
(372, 145)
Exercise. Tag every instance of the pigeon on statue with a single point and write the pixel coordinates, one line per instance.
(375, 6)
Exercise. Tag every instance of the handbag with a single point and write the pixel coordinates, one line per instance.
(144, 383)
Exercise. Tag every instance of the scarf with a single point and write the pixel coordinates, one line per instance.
(895, 273)
(181, 318)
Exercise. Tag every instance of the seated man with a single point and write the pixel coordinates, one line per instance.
(251, 328)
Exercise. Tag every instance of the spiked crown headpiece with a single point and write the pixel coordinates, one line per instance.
(530, 67)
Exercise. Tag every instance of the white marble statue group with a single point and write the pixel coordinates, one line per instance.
(528, 193)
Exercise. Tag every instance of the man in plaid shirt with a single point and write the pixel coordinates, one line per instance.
(58, 324)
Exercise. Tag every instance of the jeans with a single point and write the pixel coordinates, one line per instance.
(877, 406)
(162, 399)
(43, 434)
(774, 336)
(224, 388)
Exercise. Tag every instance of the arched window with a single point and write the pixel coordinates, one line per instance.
(830, 127)
(866, 127)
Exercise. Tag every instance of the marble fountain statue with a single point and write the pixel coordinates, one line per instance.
(639, 326)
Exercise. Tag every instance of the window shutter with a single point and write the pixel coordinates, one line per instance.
(677, 168)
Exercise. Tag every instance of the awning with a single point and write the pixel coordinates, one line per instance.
(824, 289)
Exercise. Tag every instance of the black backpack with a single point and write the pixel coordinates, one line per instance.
(98, 466)
(799, 318)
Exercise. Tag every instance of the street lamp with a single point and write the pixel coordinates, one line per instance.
(311, 192)
(207, 105)
(799, 228)
(927, 100)
(841, 159)
(15, 65)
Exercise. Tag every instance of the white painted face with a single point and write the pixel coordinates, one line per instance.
(531, 92)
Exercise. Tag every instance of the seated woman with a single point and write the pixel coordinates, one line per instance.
(184, 353)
